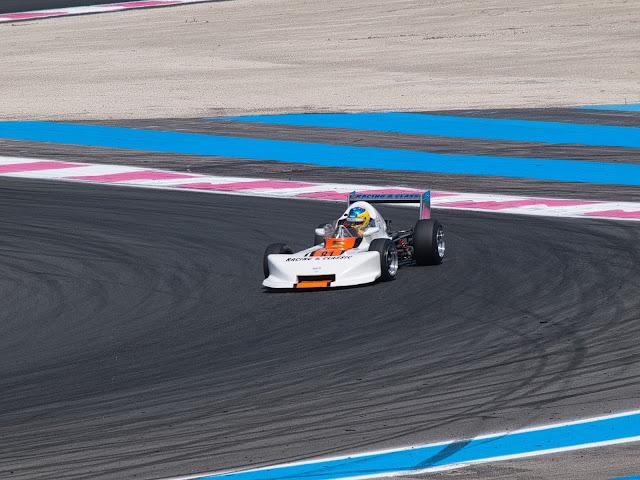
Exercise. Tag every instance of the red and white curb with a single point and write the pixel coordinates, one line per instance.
(111, 7)
(260, 187)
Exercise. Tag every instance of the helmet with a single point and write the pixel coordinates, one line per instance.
(357, 218)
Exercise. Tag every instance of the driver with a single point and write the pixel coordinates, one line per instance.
(357, 220)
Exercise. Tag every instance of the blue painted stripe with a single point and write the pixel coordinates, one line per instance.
(464, 127)
(325, 155)
(635, 477)
(579, 435)
(624, 108)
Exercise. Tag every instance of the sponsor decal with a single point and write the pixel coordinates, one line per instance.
(328, 253)
(387, 196)
(303, 259)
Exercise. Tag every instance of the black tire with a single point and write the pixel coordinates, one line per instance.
(274, 248)
(318, 239)
(428, 242)
(388, 258)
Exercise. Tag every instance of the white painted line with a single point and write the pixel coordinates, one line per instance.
(54, 174)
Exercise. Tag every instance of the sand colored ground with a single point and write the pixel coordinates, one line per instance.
(273, 56)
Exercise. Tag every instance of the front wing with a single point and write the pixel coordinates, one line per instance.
(301, 270)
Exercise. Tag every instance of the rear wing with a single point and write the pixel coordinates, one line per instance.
(424, 199)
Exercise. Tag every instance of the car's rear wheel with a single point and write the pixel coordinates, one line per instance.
(428, 242)
(274, 248)
(388, 258)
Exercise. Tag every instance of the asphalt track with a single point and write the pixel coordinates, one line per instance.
(137, 341)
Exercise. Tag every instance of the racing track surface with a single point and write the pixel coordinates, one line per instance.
(137, 342)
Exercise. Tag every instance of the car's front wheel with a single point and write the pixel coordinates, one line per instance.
(274, 248)
(388, 258)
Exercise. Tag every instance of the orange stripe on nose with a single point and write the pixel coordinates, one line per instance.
(315, 284)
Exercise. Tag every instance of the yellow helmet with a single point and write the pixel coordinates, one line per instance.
(357, 218)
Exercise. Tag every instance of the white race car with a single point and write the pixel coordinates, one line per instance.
(358, 247)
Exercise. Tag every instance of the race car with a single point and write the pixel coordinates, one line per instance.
(357, 248)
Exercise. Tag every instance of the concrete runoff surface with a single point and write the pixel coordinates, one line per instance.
(283, 56)
(137, 341)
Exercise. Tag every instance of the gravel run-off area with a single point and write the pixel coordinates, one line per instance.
(286, 56)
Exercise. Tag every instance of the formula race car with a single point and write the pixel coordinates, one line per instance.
(357, 248)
